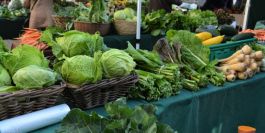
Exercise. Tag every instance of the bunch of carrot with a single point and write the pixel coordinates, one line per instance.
(243, 64)
(32, 37)
(259, 34)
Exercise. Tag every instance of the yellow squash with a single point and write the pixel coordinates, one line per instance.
(213, 41)
(204, 36)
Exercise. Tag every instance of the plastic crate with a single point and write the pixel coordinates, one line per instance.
(225, 50)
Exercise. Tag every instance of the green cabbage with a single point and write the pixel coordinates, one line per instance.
(6, 89)
(81, 69)
(119, 15)
(22, 56)
(77, 43)
(116, 63)
(4, 77)
(34, 77)
(127, 14)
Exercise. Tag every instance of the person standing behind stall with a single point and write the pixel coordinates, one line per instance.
(40, 13)
(163, 4)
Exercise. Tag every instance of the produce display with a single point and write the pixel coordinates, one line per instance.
(158, 22)
(243, 64)
(213, 35)
(119, 118)
(27, 67)
(13, 10)
(180, 59)
(177, 61)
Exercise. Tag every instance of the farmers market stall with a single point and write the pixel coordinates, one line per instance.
(212, 109)
(196, 66)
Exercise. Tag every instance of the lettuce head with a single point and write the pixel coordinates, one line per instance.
(77, 43)
(4, 77)
(34, 77)
(81, 69)
(116, 63)
(22, 56)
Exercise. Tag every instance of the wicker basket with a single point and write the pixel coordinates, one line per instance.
(60, 21)
(124, 27)
(92, 28)
(94, 95)
(26, 101)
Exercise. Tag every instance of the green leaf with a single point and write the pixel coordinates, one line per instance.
(3, 47)
(156, 32)
(80, 122)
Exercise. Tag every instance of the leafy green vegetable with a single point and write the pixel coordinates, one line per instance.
(6, 89)
(81, 69)
(77, 43)
(3, 47)
(156, 79)
(49, 34)
(65, 9)
(158, 22)
(4, 77)
(22, 56)
(116, 63)
(12, 14)
(257, 47)
(120, 119)
(139, 58)
(192, 49)
(78, 120)
(127, 14)
(96, 13)
(199, 18)
(34, 77)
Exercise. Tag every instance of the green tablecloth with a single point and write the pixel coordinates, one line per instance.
(210, 110)
(120, 42)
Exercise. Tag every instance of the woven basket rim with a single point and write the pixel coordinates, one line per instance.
(121, 20)
(91, 23)
(23, 92)
(84, 87)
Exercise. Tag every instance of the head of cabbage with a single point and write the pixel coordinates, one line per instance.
(127, 14)
(116, 63)
(4, 77)
(22, 56)
(77, 43)
(34, 77)
(82, 69)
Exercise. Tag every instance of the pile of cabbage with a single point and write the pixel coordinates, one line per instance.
(81, 58)
(127, 14)
(25, 67)
(82, 69)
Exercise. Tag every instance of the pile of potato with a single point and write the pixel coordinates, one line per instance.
(243, 64)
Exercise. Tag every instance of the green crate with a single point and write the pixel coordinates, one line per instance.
(225, 50)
